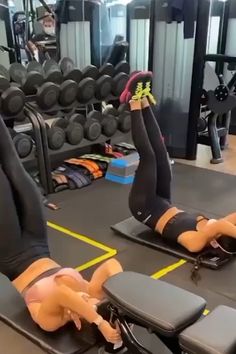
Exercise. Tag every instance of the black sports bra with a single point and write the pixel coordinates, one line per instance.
(180, 223)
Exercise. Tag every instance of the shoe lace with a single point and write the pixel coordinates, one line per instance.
(138, 91)
(147, 92)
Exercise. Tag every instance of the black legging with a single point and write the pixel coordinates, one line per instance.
(150, 196)
(23, 232)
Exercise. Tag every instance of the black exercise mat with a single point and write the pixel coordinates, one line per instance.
(67, 340)
(137, 232)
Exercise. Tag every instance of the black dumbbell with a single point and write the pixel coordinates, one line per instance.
(92, 127)
(122, 115)
(107, 69)
(108, 123)
(120, 78)
(103, 83)
(22, 142)
(69, 71)
(87, 85)
(122, 67)
(12, 98)
(74, 131)
(47, 93)
(68, 89)
(52, 71)
(56, 136)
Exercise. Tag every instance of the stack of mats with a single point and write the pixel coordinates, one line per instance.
(122, 170)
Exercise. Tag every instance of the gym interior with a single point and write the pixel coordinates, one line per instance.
(63, 66)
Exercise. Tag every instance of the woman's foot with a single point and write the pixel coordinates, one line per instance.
(138, 86)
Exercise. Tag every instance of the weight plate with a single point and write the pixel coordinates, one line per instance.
(54, 76)
(103, 87)
(119, 83)
(33, 81)
(122, 67)
(68, 93)
(4, 72)
(74, 74)
(35, 66)
(13, 101)
(56, 138)
(109, 125)
(124, 122)
(4, 84)
(90, 71)
(78, 118)
(93, 130)
(17, 73)
(86, 90)
(107, 69)
(47, 95)
(23, 145)
(74, 133)
(59, 122)
(66, 64)
(95, 115)
(50, 64)
(110, 111)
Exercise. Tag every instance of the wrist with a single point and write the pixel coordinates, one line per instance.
(98, 321)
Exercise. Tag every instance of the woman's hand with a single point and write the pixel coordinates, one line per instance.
(111, 334)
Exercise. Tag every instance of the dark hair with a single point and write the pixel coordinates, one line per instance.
(227, 243)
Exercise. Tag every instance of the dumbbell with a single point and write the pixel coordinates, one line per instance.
(108, 123)
(92, 127)
(47, 93)
(103, 83)
(74, 131)
(120, 77)
(68, 89)
(122, 116)
(22, 142)
(69, 71)
(52, 71)
(56, 136)
(12, 98)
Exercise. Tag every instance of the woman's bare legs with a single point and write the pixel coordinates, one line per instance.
(101, 274)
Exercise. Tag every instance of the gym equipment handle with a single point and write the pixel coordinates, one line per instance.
(220, 58)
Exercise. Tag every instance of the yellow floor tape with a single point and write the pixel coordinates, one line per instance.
(110, 252)
(164, 271)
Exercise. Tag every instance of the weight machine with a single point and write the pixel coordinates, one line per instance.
(217, 105)
(27, 29)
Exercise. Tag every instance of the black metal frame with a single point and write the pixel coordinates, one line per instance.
(223, 34)
(197, 77)
(129, 340)
(38, 146)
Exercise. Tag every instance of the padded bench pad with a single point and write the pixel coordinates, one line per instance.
(67, 340)
(163, 307)
(215, 334)
(140, 233)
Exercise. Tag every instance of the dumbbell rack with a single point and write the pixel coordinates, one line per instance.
(52, 157)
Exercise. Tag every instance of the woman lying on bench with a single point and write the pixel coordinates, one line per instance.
(54, 295)
(150, 196)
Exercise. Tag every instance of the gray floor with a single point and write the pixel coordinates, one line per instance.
(92, 210)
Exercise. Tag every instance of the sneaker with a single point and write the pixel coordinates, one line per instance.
(138, 86)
